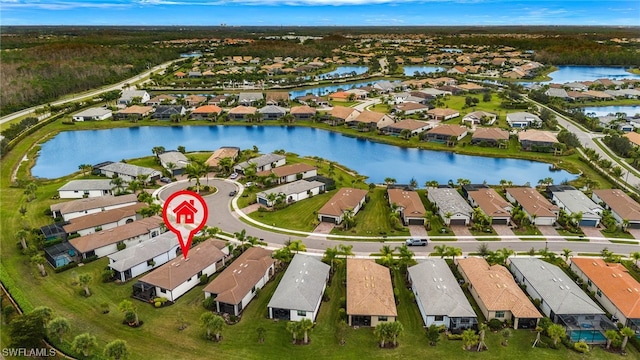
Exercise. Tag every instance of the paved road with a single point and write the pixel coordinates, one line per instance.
(118, 86)
(222, 216)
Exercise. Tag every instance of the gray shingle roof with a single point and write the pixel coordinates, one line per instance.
(272, 109)
(82, 185)
(556, 288)
(449, 200)
(301, 287)
(95, 111)
(128, 169)
(438, 291)
(295, 187)
(261, 160)
(127, 258)
(576, 201)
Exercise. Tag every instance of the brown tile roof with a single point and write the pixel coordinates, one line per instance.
(615, 282)
(136, 110)
(107, 237)
(470, 86)
(634, 137)
(102, 218)
(241, 276)
(370, 116)
(496, 288)
(533, 202)
(341, 112)
(409, 124)
(448, 130)
(304, 109)
(369, 289)
(345, 198)
(490, 133)
(409, 200)
(93, 203)
(178, 270)
(537, 136)
(162, 97)
(243, 110)
(621, 203)
(207, 109)
(339, 95)
(277, 96)
(287, 170)
(408, 106)
(442, 112)
(491, 203)
(221, 153)
(195, 98)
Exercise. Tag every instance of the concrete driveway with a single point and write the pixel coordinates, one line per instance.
(593, 233)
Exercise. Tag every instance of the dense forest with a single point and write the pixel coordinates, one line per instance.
(293, 48)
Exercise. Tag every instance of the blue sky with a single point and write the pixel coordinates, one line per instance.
(320, 12)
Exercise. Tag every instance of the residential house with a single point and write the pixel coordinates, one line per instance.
(250, 99)
(537, 140)
(359, 94)
(167, 112)
(558, 93)
(237, 285)
(408, 204)
(633, 137)
(457, 70)
(303, 112)
(162, 99)
(277, 98)
(341, 114)
(106, 242)
(439, 297)
(409, 108)
(134, 112)
(480, 118)
(241, 112)
(128, 96)
(433, 92)
(220, 100)
(442, 114)
(415, 127)
(174, 161)
(312, 99)
(80, 207)
(60, 254)
(523, 119)
(194, 100)
(290, 173)
(103, 220)
(346, 199)
(77, 189)
(179, 275)
(616, 290)
(472, 87)
(95, 113)
(300, 291)
(272, 112)
(385, 86)
(128, 172)
(138, 259)
(291, 192)
(371, 120)
(498, 296)
(574, 201)
(492, 205)
(538, 209)
(206, 112)
(194, 74)
(370, 298)
(490, 136)
(451, 206)
(624, 209)
(445, 133)
(561, 299)
(262, 163)
(221, 153)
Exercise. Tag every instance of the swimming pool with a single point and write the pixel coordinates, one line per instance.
(590, 336)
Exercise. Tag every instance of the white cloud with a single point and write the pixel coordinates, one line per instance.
(61, 5)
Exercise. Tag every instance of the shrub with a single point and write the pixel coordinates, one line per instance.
(495, 324)
(90, 259)
(203, 279)
(454, 336)
(157, 304)
(65, 267)
(107, 274)
(121, 246)
(209, 303)
(581, 347)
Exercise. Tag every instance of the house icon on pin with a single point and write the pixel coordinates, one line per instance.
(184, 212)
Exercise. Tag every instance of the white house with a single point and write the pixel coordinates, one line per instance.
(300, 291)
(451, 206)
(523, 119)
(236, 286)
(128, 95)
(179, 275)
(290, 173)
(78, 189)
(346, 199)
(95, 113)
(80, 207)
(103, 220)
(148, 255)
(263, 162)
(575, 201)
(174, 162)
(128, 172)
(291, 192)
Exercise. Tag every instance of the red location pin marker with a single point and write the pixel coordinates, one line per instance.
(185, 213)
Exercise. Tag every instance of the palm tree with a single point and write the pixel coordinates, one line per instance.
(382, 332)
(440, 250)
(117, 349)
(611, 335)
(390, 181)
(126, 307)
(304, 326)
(297, 246)
(294, 328)
(84, 168)
(39, 260)
(84, 344)
(469, 339)
(212, 323)
(143, 178)
(195, 171)
(566, 253)
(405, 256)
(386, 256)
(157, 150)
(241, 236)
(345, 250)
(635, 256)
(431, 184)
(348, 219)
(626, 332)
(556, 332)
(84, 281)
(226, 165)
(625, 225)
(22, 235)
(118, 184)
(453, 252)
(395, 330)
(134, 186)
(58, 327)
(330, 256)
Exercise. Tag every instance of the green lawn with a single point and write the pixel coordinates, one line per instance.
(302, 215)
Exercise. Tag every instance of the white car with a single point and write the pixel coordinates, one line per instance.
(233, 175)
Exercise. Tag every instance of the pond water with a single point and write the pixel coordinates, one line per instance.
(411, 69)
(630, 110)
(570, 73)
(345, 71)
(63, 154)
(325, 90)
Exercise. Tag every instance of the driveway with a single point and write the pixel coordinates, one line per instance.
(461, 230)
(418, 231)
(593, 234)
(549, 230)
(635, 233)
(504, 230)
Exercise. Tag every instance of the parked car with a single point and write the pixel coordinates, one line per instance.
(416, 242)
(233, 193)
(248, 184)
(233, 175)
(165, 180)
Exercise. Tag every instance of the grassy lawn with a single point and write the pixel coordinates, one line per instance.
(527, 230)
(618, 233)
(624, 242)
(302, 215)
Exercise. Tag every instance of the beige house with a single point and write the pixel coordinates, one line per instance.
(346, 199)
(241, 112)
(538, 209)
(492, 205)
(370, 298)
(221, 153)
(443, 114)
(497, 294)
(409, 205)
(342, 114)
(371, 120)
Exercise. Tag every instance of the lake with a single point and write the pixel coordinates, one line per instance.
(571, 73)
(411, 69)
(62, 154)
(630, 110)
(345, 71)
(325, 90)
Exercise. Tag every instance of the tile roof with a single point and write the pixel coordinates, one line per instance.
(490, 133)
(102, 218)
(449, 200)
(262, 160)
(301, 287)
(409, 124)
(287, 170)
(443, 112)
(621, 203)
(576, 201)
(408, 200)
(221, 153)
(448, 130)
(533, 202)
(342, 112)
(345, 198)
(243, 110)
(537, 136)
(491, 203)
(304, 109)
(496, 288)
(178, 270)
(241, 276)
(634, 137)
(295, 187)
(93, 203)
(136, 110)
(107, 237)
(370, 116)
(409, 106)
(207, 109)
(369, 289)
(128, 169)
(615, 282)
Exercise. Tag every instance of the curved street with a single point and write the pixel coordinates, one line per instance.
(222, 215)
